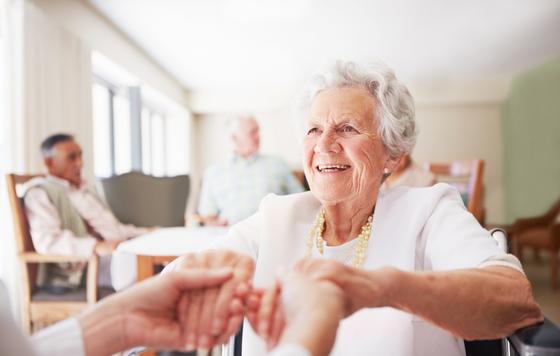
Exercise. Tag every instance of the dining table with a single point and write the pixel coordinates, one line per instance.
(161, 246)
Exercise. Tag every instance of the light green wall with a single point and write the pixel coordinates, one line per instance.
(531, 128)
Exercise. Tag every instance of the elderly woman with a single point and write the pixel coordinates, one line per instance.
(419, 273)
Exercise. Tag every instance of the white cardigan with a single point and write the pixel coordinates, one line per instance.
(413, 229)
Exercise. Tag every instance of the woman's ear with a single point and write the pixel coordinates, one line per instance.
(391, 165)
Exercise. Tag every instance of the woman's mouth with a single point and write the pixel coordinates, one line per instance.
(332, 168)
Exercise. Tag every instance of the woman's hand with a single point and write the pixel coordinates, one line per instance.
(151, 313)
(312, 311)
(216, 313)
(362, 288)
(265, 314)
(106, 247)
(297, 309)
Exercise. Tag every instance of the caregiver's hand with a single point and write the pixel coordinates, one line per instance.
(216, 313)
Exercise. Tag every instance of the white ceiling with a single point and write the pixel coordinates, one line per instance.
(223, 44)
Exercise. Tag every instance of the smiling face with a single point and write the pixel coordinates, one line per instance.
(344, 157)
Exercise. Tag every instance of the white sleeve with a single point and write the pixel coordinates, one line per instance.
(290, 350)
(454, 239)
(507, 260)
(12, 340)
(61, 339)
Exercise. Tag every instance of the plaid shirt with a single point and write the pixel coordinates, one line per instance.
(233, 189)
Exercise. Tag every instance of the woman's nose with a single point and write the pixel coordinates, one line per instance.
(327, 143)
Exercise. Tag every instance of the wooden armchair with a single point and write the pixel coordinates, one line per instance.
(539, 232)
(467, 177)
(40, 309)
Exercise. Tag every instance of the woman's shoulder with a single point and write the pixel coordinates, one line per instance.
(303, 200)
(419, 197)
(298, 204)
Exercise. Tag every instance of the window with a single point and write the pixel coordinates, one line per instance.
(101, 107)
(153, 149)
(135, 128)
(146, 137)
(163, 139)
(111, 129)
(122, 134)
(177, 138)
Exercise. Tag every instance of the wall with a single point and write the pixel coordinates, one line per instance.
(457, 121)
(464, 131)
(85, 22)
(98, 34)
(531, 125)
(56, 97)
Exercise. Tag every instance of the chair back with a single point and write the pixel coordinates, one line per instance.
(144, 200)
(552, 216)
(14, 185)
(467, 177)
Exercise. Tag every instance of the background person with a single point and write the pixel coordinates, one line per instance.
(232, 190)
(67, 217)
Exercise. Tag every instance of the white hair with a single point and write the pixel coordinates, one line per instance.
(234, 123)
(395, 106)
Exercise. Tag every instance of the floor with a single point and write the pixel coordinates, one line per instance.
(538, 273)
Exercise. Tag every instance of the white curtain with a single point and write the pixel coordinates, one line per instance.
(45, 81)
(57, 87)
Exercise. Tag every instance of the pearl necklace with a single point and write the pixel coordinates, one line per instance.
(316, 236)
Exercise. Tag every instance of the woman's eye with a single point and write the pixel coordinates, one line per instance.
(312, 131)
(348, 128)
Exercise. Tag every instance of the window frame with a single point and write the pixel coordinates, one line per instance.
(137, 107)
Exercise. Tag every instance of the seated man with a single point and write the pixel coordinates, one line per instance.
(232, 190)
(68, 218)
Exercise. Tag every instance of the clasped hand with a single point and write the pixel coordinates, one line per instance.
(215, 313)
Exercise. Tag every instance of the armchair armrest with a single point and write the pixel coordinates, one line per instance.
(92, 268)
(538, 340)
(527, 223)
(34, 257)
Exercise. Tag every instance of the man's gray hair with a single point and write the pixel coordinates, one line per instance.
(234, 123)
(395, 106)
(47, 146)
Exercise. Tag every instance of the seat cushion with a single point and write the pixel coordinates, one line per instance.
(78, 295)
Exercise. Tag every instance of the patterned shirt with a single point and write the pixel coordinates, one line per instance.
(233, 189)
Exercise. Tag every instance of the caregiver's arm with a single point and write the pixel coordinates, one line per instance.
(150, 313)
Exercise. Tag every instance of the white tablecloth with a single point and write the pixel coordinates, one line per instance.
(173, 241)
